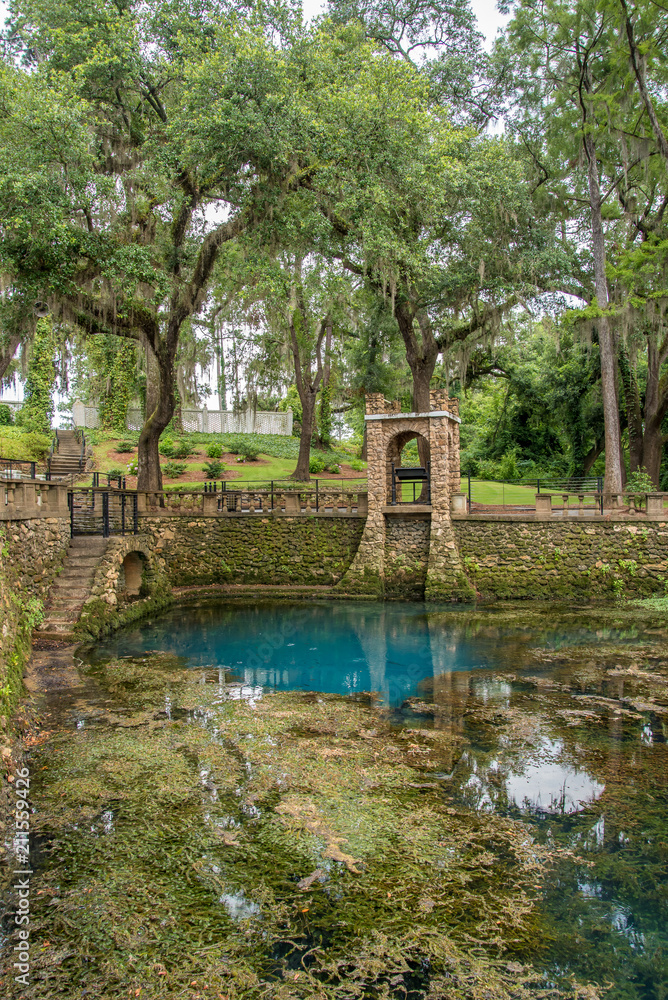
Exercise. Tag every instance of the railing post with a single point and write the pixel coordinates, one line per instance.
(469, 478)
(317, 497)
(122, 513)
(70, 500)
(394, 487)
(105, 515)
(272, 494)
(135, 513)
(32, 470)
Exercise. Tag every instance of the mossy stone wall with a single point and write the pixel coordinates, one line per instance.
(31, 554)
(533, 559)
(307, 549)
(406, 555)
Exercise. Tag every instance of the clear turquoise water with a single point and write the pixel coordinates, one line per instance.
(394, 650)
(572, 747)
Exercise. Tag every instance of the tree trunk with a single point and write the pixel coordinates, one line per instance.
(149, 476)
(633, 408)
(152, 380)
(307, 397)
(422, 357)
(613, 464)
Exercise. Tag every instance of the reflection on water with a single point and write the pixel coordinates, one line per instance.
(561, 727)
(393, 650)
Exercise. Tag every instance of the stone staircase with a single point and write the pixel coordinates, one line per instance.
(67, 460)
(72, 587)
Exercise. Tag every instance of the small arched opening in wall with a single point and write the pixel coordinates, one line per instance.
(132, 574)
(395, 457)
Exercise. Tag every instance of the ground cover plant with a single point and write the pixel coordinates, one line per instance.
(300, 845)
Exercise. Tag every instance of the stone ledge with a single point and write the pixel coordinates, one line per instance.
(559, 519)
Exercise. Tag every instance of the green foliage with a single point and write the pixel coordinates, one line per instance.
(166, 447)
(173, 470)
(37, 409)
(133, 467)
(249, 451)
(182, 449)
(356, 464)
(28, 446)
(214, 451)
(640, 482)
(6, 416)
(214, 469)
(294, 403)
(115, 472)
(316, 463)
(124, 446)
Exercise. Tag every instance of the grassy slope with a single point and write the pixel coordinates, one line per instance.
(276, 466)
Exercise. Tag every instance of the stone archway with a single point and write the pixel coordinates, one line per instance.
(393, 457)
(388, 431)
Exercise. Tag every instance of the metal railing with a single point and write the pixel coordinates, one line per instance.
(103, 512)
(520, 494)
(15, 468)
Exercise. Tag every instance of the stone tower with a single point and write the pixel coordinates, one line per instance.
(437, 434)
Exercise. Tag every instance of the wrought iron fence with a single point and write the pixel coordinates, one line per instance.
(103, 512)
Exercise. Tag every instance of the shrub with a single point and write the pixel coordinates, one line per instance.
(182, 449)
(166, 447)
(357, 464)
(6, 418)
(115, 473)
(124, 446)
(316, 464)
(29, 446)
(213, 469)
(133, 467)
(333, 467)
(174, 469)
(249, 452)
(215, 451)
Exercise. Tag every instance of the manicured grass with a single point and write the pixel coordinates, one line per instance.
(499, 493)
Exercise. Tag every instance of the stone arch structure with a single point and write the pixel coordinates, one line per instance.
(395, 446)
(388, 430)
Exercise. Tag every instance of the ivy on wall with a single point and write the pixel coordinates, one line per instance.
(37, 409)
(111, 364)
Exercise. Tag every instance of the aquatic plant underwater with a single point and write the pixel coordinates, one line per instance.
(494, 830)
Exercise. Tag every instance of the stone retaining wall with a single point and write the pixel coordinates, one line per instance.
(306, 549)
(406, 555)
(510, 558)
(31, 554)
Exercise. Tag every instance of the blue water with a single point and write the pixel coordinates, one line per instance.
(392, 649)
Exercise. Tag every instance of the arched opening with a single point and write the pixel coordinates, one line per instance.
(132, 574)
(407, 479)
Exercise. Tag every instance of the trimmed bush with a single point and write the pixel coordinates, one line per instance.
(182, 449)
(166, 447)
(124, 446)
(174, 469)
(214, 451)
(316, 464)
(213, 469)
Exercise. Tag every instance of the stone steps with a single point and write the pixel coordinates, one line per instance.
(72, 587)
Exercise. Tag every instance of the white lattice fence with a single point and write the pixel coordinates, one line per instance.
(201, 421)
